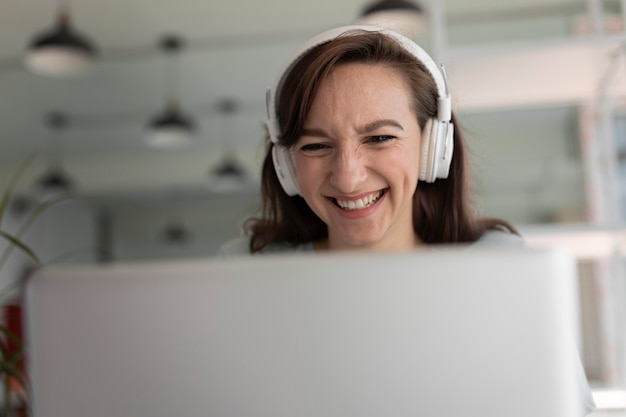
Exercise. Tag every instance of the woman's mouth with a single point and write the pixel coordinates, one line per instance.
(360, 203)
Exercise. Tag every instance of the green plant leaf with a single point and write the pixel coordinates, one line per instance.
(27, 223)
(17, 242)
(8, 192)
(8, 288)
(11, 336)
(10, 369)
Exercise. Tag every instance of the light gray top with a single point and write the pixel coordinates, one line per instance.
(241, 246)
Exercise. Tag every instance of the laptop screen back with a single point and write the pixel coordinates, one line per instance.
(446, 332)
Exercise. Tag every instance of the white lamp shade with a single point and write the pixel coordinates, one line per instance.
(227, 185)
(58, 61)
(228, 176)
(171, 128)
(165, 137)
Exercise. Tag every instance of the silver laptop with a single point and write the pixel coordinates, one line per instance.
(443, 332)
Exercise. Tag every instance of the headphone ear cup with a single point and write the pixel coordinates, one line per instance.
(437, 147)
(427, 151)
(285, 170)
(445, 150)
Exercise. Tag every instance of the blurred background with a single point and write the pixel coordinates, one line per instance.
(150, 114)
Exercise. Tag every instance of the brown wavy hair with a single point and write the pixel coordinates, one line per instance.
(442, 212)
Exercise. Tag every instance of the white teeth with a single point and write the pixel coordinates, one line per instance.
(361, 203)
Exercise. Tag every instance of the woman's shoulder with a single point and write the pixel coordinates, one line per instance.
(241, 247)
(500, 238)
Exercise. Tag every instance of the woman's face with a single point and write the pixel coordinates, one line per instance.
(357, 161)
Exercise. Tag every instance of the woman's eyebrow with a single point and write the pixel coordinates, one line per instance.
(378, 124)
(369, 127)
(319, 133)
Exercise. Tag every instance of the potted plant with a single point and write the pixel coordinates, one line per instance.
(13, 378)
(15, 390)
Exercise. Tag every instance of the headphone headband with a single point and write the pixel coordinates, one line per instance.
(437, 145)
(438, 75)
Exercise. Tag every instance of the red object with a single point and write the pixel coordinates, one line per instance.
(13, 322)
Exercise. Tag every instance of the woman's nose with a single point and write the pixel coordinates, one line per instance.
(348, 171)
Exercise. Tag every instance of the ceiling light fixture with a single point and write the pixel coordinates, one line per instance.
(403, 16)
(55, 180)
(60, 52)
(175, 231)
(171, 128)
(176, 234)
(228, 175)
(229, 168)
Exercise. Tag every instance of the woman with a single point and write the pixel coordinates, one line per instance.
(362, 152)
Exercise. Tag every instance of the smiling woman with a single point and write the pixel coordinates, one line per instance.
(362, 152)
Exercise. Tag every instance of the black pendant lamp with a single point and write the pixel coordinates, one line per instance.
(55, 180)
(60, 51)
(403, 16)
(172, 127)
(175, 231)
(229, 167)
(228, 174)
(176, 234)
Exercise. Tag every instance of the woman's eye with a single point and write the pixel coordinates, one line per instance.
(380, 138)
(313, 147)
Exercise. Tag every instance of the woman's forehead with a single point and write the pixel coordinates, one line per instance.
(355, 96)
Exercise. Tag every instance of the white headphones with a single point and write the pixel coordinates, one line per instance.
(437, 142)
